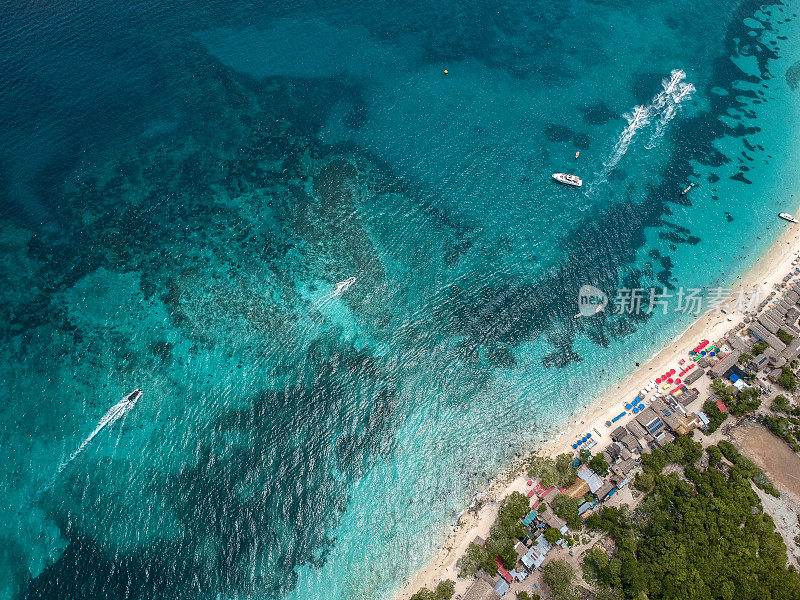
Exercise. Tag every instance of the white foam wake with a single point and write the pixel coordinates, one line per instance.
(663, 106)
(113, 415)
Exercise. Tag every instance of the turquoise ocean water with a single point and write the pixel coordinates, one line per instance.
(182, 186)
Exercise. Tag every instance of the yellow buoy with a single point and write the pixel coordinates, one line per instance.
(446, 71)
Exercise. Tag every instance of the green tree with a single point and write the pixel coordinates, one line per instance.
(552, 535)
(784, 336)
(559, 576)
(759, 347)
(566, 472)
(715, 416)
(423, 594)
(787, 379)
(781, 404)
(599, 465)
(644, 481)
(745, 358)
(473, 560)
(714, 455)
(747, 400)
(585, 455)
(445, 590)
(539, 465)
(567, 508)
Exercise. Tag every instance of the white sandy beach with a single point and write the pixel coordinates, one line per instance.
(763, 278)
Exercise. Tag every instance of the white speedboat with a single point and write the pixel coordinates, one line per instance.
(131, 399)
(568, 179)
(788, 217)
(342, 286)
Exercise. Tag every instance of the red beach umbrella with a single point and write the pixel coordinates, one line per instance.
(658, 380)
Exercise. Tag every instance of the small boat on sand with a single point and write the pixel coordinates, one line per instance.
(568, 179)
(687, 188)
(788, 217)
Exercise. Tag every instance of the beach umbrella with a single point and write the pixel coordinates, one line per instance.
(677, 380)
(628, 406)
(641, 407)
(713, 353)
(636, 410)
(530, 482)
(588, 435)
(703, 353)
(672, 371)
(584, 439)
(692, 352)
(658, 380)
(580, 442)
(670, 380)
(575, 446)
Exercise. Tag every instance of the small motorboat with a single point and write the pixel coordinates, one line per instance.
(568, 179)
(131, 399)
(788, 217)
(687, 188)
(577, 154)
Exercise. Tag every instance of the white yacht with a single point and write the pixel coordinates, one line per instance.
(568, 179)
(788, 217)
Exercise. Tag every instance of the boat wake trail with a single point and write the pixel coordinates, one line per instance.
(663, 107)
(114, 414)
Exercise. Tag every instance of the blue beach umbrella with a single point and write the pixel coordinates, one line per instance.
(588, 435)
(636, 410)
(628, 406)
(713, 353)
(584, 439)
(574, 446)
(580, 442)
(703, 353)
(641, 407)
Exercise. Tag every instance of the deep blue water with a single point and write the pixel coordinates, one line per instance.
(183, 185)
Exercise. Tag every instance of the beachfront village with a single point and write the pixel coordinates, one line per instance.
(658, 501)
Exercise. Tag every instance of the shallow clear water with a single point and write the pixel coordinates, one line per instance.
(183, 186)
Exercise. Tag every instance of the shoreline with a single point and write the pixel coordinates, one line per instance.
(768, 271)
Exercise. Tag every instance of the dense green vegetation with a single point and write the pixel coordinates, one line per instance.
(599, 465)
(444, 591)
(559, 472)
(714, 455)
(781, 404)
(702, 539)
(567, 508)
(552, 535)
(787, 380)
(748, 400)
(759, 347)
(747, 467)
(739, 403)
(683, 451)
(787, 428)
(745, 358)
(715, 416)
(503, 536)
(784, 336)
(560, 578)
